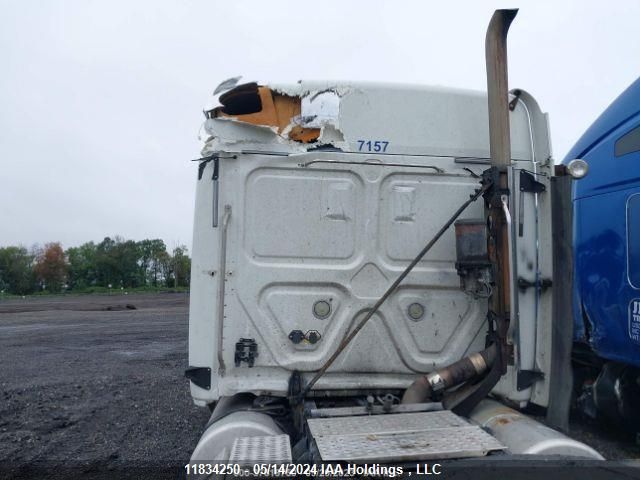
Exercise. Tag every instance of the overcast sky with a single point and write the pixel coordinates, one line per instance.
(101, 101)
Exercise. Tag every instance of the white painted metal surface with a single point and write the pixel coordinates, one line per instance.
(414, 119)
(306, 228)
(400, 437)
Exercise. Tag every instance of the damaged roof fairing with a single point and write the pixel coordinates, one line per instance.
(228, 84)
(270, 115)
(357, 117)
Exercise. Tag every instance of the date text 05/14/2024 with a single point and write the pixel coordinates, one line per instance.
(326, 469)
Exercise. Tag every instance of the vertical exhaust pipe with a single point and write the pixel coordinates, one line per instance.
(498, 87)
(501, 302)
(494, 358)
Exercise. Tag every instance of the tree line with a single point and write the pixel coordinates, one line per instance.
(112, 263)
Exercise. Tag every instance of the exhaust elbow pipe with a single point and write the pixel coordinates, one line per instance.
(459, 372)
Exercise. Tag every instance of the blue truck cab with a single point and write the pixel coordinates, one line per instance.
(606, 246)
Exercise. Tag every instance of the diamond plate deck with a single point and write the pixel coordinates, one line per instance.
(400, 437)
(375, 409)
(267, 449)
(391, 423)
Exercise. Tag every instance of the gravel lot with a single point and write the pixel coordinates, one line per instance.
(91, 385)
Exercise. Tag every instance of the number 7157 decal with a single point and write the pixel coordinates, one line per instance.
(372, 145)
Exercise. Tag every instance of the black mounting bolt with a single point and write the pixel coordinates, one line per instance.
(313, 336)
(296, 336)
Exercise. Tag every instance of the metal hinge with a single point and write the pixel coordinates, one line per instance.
(543, 284)
(246, 351)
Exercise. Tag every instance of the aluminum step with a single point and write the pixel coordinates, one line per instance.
(273, 449)
(400, 437)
